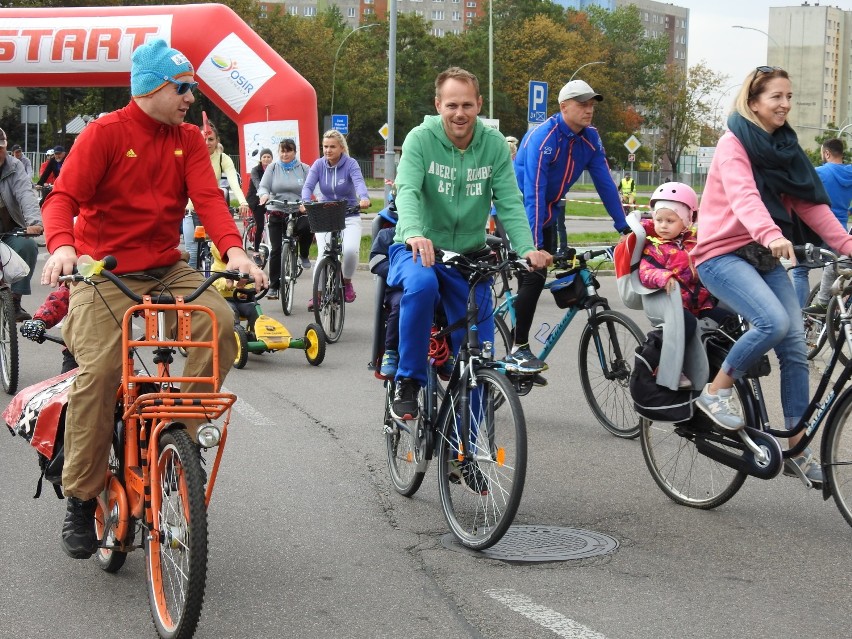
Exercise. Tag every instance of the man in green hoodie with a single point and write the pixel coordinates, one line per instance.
(452, 168)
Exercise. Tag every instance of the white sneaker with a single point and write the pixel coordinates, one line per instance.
(721, 408)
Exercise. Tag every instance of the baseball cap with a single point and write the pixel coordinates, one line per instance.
(49, 152)
(59, 149)
(578, 90)
(3, 140)
(17, 147)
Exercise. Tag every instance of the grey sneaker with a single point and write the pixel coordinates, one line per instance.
(721, 408)
(523, 361)
(805, 468)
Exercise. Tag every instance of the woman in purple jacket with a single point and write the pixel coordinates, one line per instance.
(339, 178)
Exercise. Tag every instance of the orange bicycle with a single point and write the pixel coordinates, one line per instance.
(154, 484)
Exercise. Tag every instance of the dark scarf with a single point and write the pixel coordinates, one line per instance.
(780, 166)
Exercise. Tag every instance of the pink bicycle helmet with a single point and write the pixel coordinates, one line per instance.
(676, 192)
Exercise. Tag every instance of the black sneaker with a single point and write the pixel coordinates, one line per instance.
(79, 539)
(405, 399)
(816, 309)
(523, 361)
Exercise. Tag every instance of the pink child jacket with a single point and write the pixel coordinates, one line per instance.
(666, 259)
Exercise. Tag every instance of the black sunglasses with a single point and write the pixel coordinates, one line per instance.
(761, 69)
(182, 87)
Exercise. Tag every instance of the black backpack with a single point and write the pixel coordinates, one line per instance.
(652, 401)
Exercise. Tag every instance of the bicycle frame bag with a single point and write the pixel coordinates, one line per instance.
(568, 289)
(37, 414)
(652, 401)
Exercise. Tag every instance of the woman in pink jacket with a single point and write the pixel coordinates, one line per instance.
(758, 177)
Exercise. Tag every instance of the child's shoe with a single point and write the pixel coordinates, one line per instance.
(390, 362)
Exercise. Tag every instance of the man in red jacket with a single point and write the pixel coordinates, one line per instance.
(127, 181)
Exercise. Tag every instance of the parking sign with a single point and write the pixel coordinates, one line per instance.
(537, 111)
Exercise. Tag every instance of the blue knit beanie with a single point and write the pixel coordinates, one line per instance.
(153, 64)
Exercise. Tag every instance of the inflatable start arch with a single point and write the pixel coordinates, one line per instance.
(237, 70)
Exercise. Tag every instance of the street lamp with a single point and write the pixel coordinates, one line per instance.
(584, 65)
(334, 66)
(719, 102)
(739, 26)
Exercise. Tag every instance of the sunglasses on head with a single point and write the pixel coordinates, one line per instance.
(758, 70)
(182, 87)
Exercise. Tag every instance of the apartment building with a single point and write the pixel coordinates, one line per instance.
(814, 44)
(447, 16)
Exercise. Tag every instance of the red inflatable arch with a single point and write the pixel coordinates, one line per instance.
(237, 70)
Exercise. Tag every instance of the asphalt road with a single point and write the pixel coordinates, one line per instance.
(309, 539)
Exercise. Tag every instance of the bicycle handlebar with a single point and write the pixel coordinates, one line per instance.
(104, 268)
(810, 256)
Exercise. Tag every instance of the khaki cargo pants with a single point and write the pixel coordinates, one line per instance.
(93, 335)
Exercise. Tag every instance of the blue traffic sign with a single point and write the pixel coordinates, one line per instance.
(537, 111)
(340, 123)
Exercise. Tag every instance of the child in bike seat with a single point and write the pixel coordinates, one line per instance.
(380, 265)
(669, 237)
(247, 309)
(48, 315)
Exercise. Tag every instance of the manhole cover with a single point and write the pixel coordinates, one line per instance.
(543, 543)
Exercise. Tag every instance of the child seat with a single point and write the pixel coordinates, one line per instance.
(662, 309)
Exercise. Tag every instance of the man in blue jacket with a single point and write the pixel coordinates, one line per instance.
(837, 179)
(551, 158)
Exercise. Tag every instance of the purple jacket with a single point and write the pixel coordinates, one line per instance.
(343, 181)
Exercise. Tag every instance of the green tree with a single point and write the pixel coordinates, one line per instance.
(676, 107)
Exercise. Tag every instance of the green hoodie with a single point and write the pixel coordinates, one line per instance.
(445, 194)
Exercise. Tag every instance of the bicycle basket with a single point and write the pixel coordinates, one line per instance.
(327, 216)
(568, 289)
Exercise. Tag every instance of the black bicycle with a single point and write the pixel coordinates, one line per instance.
(328, 299)
(9, 364)
(476, 427)
(699, 466)
(291, 267)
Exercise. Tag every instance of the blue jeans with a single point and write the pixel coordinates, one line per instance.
(769, 304)
(189, 242)
(801, 283)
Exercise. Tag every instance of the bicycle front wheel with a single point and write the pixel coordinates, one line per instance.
(837, 463)
(481, 490)
(176, 555)
(680, 470)
(8, 343)
(248, 236)
(288, 277)
(329, 305)
(607, 348)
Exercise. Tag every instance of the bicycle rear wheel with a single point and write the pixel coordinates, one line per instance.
(684, 474)
(176, 558)
(607, 348)
(815, 327)
(407, 462)
(329, 306)
(107, 516)
(837, 460)
(8, 342)
(288, 277)
(480, 494)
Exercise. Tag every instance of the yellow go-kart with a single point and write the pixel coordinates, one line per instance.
(269, 334)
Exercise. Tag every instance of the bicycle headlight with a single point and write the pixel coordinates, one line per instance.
(208, 435)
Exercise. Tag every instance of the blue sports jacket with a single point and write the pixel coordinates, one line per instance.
(550, 159)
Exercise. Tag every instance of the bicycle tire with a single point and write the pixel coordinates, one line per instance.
(480, 497)
(406, 460)
(685, 475)
(248, 236)
(176, 559)
(110, 560)
(832, 324)
(329, 305)
(502, 337)
(8, 343)
(837, 457)
(608, 391)
(815, 328)
(288, 277)
(241, 358)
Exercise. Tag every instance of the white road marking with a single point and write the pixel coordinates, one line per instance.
(249, 412)
(543, 616)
